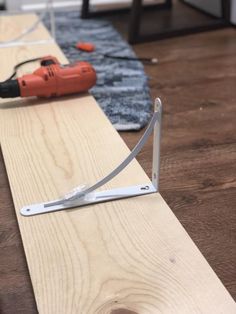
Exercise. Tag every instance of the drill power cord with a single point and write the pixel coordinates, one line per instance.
(144, 60)
(90, 47)
(18, 65)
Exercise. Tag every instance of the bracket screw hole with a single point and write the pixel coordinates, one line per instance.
(145, 187)
(28, 209)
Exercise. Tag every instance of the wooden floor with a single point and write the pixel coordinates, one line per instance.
(196, 79)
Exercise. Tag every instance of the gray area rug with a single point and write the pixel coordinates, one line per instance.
(122, 86)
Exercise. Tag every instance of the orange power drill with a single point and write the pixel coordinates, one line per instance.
(51, 80)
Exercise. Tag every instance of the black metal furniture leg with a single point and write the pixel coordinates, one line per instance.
(136, 35)
(85, 9)
(135, 21)
(168, 3)
(135, 17)
(225, 7)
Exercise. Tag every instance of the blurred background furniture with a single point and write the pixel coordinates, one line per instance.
(148, 19)
(169, 18)
(185, 17)
(2, 5)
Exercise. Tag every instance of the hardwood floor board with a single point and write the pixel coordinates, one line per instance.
(210, 221)
(196, 79)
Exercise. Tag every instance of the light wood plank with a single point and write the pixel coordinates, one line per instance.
(12, 26)
(131, 254)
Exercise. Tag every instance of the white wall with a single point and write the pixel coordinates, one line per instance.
(40, 4)
(210, 6)
(13, 5)
(233, 11)
(214, 7)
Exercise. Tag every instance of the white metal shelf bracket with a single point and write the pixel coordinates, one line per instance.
(82, 196)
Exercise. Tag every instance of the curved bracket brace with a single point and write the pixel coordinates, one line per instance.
(86, 196)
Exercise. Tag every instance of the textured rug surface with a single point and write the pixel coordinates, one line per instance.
(122, 86)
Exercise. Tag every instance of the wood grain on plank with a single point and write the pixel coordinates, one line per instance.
(131, 255)
(13, 26)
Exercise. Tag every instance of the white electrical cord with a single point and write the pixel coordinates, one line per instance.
(32, 27)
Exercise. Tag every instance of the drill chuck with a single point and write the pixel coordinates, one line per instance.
(9, 89)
